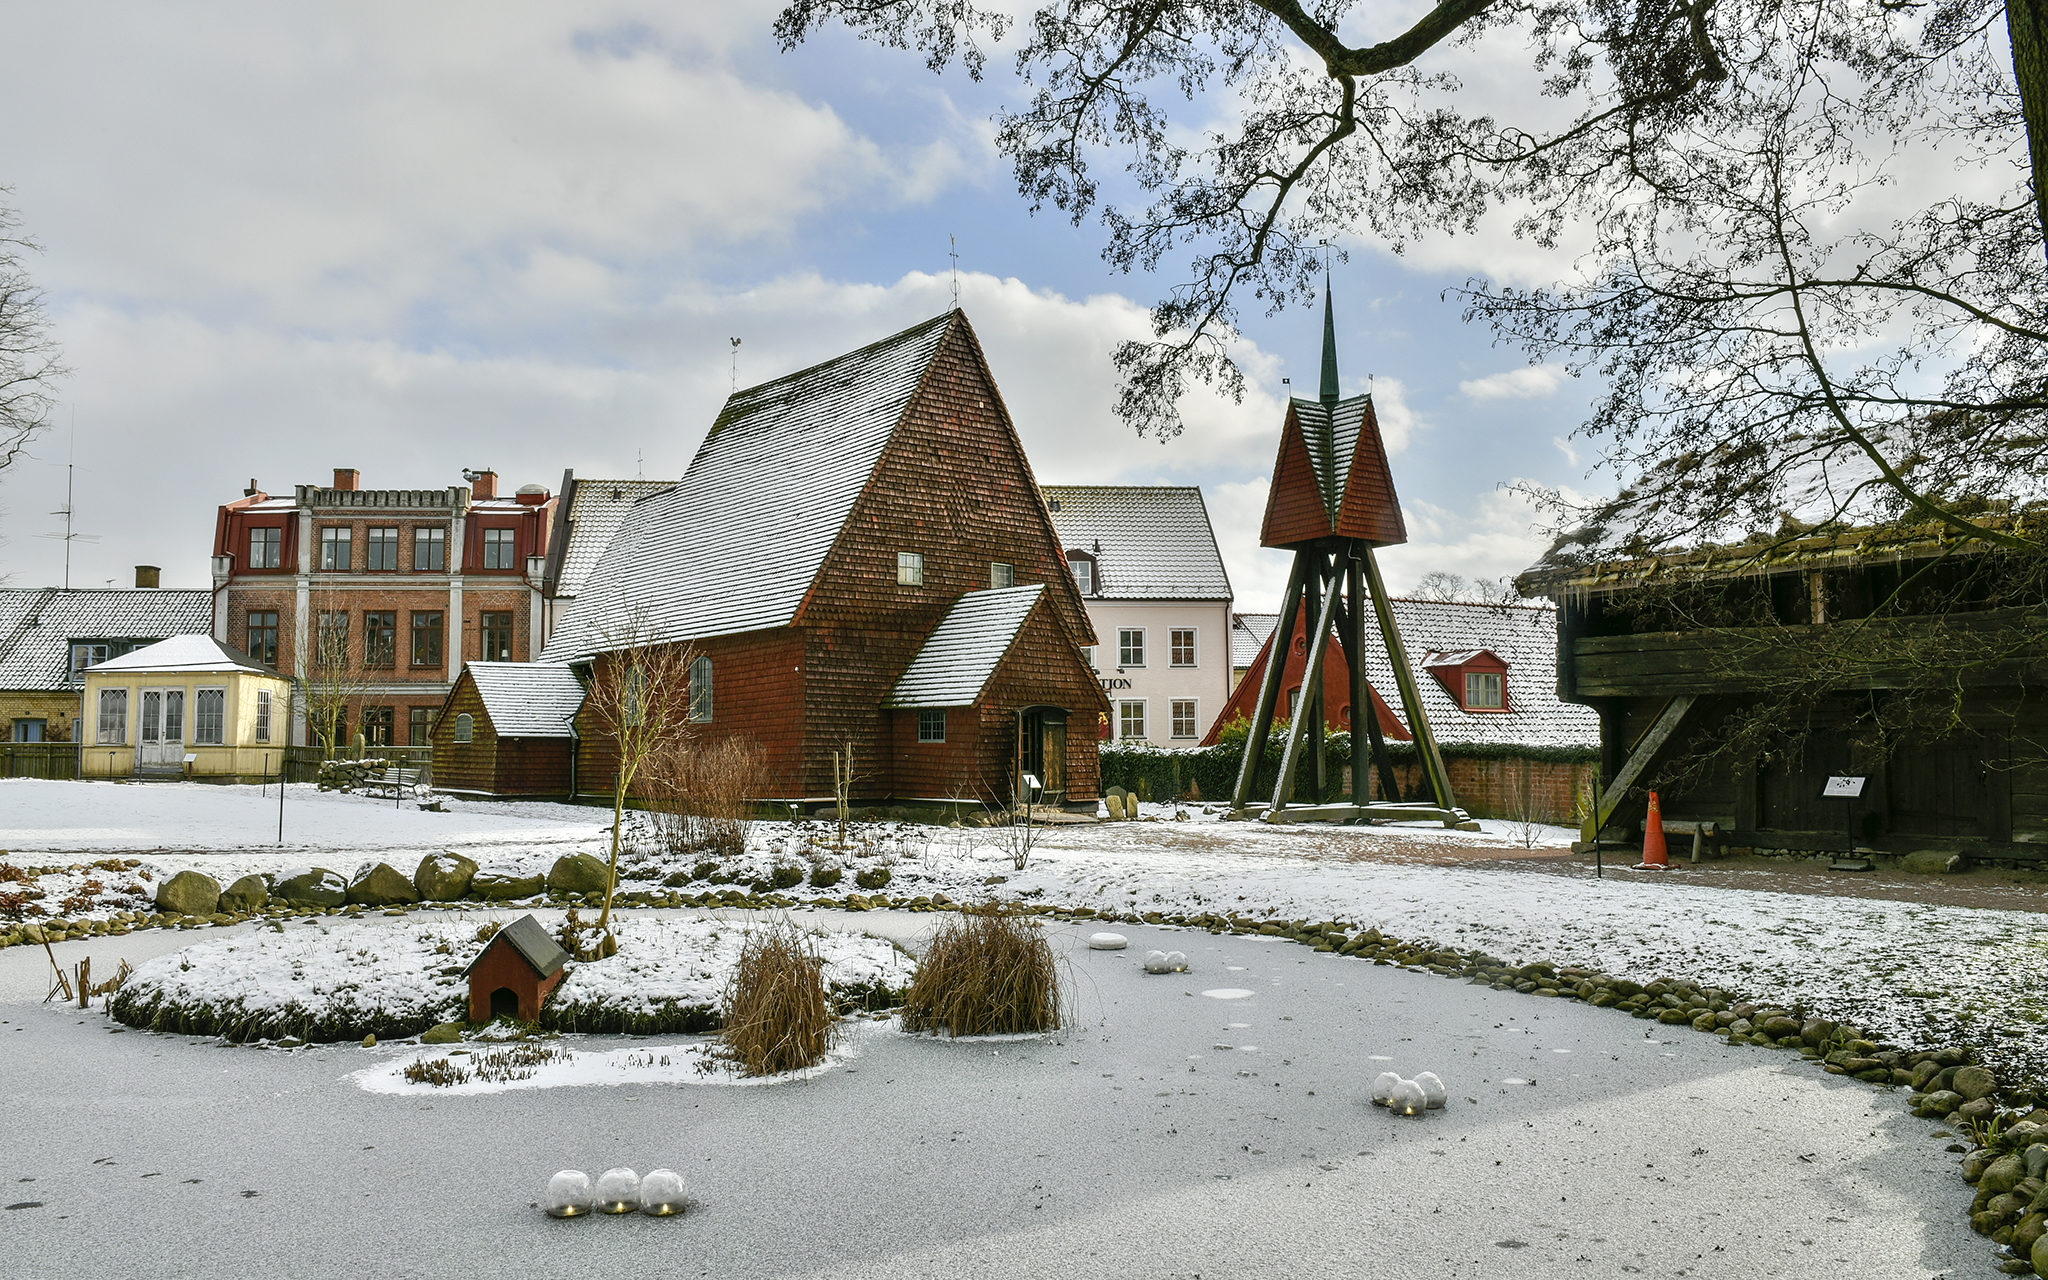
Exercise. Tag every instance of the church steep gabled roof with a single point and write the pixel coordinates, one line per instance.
(735, 545)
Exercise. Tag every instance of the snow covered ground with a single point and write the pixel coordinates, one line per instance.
(1917, 972)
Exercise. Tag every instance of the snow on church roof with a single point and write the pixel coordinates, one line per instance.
(736, 543)
(963, 651)
(529, 699)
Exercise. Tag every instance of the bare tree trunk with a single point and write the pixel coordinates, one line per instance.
(2026, 22)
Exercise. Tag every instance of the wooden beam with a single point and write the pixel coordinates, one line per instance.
(1290, 759)
(1639, 759)
(1277, 650)
(1411, 697)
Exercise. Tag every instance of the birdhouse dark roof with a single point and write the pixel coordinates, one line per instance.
(526, 936)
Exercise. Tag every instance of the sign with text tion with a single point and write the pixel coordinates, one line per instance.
(1842, 789)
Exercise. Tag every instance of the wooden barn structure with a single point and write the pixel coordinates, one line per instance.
(509, 729)
(1896, 656)
(859, 555)
(1331, 503)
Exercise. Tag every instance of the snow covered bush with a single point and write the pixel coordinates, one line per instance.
(985, 973)
(777, 1016)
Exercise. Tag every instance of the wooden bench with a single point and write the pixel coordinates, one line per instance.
(398, 780)
(1701, 832)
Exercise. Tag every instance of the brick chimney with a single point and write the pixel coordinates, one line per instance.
(348, 479)
(148, 575)
(483, 485)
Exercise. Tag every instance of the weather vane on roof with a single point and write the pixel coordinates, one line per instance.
(953, 252)
(735, 364)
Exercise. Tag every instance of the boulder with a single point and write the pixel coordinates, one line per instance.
(2030, 1229)
(1978, 1109)
(381, 885)
(1107, 942)
(2040, 1255)
(2036, 1157)
(576, 874)
(1974, 1083)
(442, 1033)
(312, 887)
(189, 893)
(1941, 1102)
(2003, 1174)
(249, 893)
(443, 877)
(498, 886)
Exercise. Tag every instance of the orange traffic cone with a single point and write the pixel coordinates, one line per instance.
(1654, 858)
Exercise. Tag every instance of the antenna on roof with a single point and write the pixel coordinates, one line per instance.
(69, 509)
(953, 252)
(639, 464)
(735, 364)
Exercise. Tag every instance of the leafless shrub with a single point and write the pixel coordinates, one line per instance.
(703, 799)
(986, 972)
(777, 1015)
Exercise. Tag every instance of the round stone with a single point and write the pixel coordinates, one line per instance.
(1107, 942)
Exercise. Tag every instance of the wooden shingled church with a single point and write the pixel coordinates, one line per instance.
(859, 555)
(1332, 503)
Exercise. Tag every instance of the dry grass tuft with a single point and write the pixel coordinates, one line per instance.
(986, 973)
(777, 1015)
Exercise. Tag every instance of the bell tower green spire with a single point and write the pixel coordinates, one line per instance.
(1329, 393)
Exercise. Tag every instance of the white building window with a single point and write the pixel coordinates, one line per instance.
(263, 715)
(1002, 575)
(113, 726)
(931, 726)
(1183, 646)
(1088, 656)
(1083, 566)
(1130, 719)
(909, 568)
(1130, 647)
(1187, 718)
(210, 717)
(1485, 691)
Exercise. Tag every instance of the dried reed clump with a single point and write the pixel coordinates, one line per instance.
(777, 1015)
(986, 973)
(703, 799)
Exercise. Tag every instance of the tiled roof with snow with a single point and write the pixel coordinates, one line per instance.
(1522, 636)
(596, 511)
(184, 653)
(1155, 540)
(38, 624)
(1248, 632)
(735, 545)
(964, 650)
(529, 699)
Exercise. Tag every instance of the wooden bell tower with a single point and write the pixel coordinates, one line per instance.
(1331, 503)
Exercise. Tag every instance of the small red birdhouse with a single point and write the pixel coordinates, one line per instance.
(515, 973)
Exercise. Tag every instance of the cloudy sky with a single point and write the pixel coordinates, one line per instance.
(416, 238)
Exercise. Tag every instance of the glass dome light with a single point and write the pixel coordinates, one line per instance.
(1155, 962)
(1177, 961)
(568, 1194)
(1434, 1094)
(661, 1193)
(1407, 1099)
(618, 1191)
(1383, 1088)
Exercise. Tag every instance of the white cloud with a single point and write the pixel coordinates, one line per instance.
(1527, 383)
(1502, 535)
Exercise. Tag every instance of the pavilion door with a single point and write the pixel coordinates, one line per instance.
(161, 736)
(1045, 752)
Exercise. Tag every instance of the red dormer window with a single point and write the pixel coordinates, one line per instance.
(1476, 679)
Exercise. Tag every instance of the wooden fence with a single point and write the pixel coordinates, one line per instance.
(39, 760)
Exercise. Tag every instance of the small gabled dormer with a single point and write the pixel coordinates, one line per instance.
(1475, 679)
(1086, 571)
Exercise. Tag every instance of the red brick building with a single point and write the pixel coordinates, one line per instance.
(379, 596)
(859, 553)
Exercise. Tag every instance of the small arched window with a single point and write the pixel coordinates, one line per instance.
(700, 691)
(465, 727)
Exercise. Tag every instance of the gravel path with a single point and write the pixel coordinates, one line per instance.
(1172, 1134)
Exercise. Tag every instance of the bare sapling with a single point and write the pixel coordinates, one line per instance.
(638, 700)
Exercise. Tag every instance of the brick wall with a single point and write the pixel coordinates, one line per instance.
(58, 711)
(1495, 787)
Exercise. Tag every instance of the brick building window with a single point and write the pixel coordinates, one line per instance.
(263, 715)
(1485, 691)
(419, 726)
(1130, 647)
(376, 726)
(426, 637)
(429, 549)
(909, 568)
(498, 548)
(1186, 718)
(336, 554)
(209, 717)
(1183, 646)
(262, 644)
(931, 726)
(331, 649)
(266, 548)
(700, 691)
(1130, 719)
(383, 550)
(1002, 575)
(113, 726)
(380, 638)
(497, 637)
